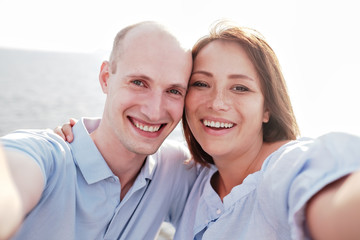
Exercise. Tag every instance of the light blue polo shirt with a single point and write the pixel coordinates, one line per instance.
(270, 203)
(81, 196)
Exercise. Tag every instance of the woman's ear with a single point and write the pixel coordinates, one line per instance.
(266, 116)
(104, 76)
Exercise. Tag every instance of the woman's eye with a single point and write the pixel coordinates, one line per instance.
(138, 83)
(199, 84)
(240, 88)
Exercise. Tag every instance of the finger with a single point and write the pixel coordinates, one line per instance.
(73, 121)
(59, 132)
(67, 130)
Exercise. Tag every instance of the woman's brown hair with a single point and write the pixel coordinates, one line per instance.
(282, 124)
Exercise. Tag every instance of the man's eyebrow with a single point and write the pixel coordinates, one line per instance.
(184, 88)
(147, 78)
(141, 76)
(231, 76)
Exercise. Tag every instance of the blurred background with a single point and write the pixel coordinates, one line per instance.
(51, 51)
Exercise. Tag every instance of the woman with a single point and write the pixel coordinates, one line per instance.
(260, 182)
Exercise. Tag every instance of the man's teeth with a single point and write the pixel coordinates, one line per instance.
(217, 124)
(147, 128)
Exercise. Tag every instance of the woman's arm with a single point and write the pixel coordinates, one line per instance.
(66, 130)
(334, 212)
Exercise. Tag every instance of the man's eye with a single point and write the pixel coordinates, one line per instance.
(138, 83)
(174, 91)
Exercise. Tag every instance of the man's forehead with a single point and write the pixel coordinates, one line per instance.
(153, 50)
(149, 51)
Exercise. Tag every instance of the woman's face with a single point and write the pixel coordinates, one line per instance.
(224, 103)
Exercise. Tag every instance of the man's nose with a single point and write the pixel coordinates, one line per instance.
(153, 106)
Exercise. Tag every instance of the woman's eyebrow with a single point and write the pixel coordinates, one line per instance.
(202, 72)
(240, 76)
(231, 76)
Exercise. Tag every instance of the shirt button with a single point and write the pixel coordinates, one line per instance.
(218, 211)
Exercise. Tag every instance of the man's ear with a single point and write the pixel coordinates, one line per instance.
(104, 76)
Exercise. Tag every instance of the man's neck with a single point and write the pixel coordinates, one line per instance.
(124, 164)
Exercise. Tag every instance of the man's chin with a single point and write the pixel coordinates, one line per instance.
(148, 143)
(147, 147)
(146, 150)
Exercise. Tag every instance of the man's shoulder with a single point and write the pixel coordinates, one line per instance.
(31, 141)
(24, 135)
(45, 147)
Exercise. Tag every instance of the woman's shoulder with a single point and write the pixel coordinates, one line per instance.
(323, 152)
(284, 149)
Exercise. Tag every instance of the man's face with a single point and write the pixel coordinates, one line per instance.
(145, 96)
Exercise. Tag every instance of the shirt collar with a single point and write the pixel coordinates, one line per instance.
(86, 155)
(149, 167)
(90, 161)
(145, 176)
(212, 207)
(210, 202)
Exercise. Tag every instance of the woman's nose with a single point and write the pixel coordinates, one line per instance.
(219, 100)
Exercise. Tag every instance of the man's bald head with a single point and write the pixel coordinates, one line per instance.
(143, 33)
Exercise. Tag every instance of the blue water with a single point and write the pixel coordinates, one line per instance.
(43, 89)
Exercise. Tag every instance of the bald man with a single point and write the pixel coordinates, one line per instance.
(117, 179)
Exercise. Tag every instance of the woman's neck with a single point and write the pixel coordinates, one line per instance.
(233, 172)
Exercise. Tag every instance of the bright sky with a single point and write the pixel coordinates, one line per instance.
(317, 41)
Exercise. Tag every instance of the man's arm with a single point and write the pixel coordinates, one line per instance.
(21, 184)
(334, 212)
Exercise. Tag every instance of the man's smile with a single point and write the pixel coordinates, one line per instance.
(146, 127)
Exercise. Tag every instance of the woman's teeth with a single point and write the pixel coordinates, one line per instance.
(217, 124)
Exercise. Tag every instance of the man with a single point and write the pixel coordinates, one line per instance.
(106, 184)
